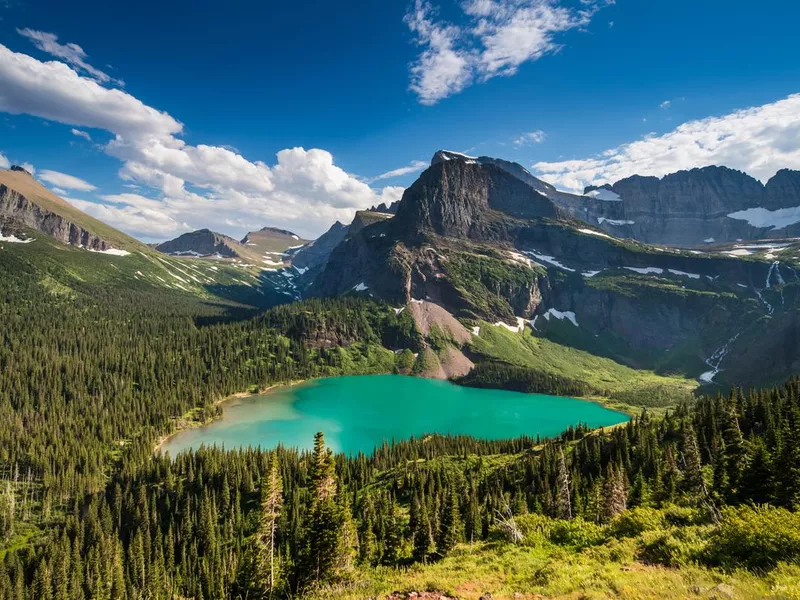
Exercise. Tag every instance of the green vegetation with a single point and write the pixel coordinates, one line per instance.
(489, 283)
(557, 367)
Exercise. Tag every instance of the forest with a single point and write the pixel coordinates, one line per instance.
(91, 380)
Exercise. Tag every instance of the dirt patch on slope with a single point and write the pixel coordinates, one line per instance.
(427, 315)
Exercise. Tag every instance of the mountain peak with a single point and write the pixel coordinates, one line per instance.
(443, 155)
(21, 170)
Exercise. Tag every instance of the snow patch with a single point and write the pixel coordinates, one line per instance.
(597, 233)
(561, 315)
(397, 311)
(476, 330)
(294, 237)
(112, 252)
(12, 239)
(739, 252)
(360, 287)
(602, 220)
(548, 259)
(774, 219)
(519, 327)
(300, 270)
(709, 240)
(604, 195)
(590, 274)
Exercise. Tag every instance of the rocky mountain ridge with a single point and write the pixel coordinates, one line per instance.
(24, 202)
(684, 209)
(473, 238)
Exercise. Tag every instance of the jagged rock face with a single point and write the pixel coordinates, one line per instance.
(201, 243)
(316, 253)
(19, 210)
(365, 218)
(688, 208)
(783, 190)
(454, 198)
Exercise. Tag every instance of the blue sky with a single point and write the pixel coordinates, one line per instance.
(242, 114)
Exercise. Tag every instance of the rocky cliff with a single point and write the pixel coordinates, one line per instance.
(26, 203)
(474, 238)
(690, 208)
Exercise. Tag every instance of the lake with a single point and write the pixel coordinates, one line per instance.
(359, 413)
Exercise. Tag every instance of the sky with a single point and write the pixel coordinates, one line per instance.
(159, 118)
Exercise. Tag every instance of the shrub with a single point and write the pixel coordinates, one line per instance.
(682, 516)
(674, 548)
(632, 523)
(577, 533)
(757, 538)
(535, 528)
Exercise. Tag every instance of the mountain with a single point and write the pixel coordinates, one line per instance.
(203, 242)
(274, 241)
(315, 254)
(684, 209)
(26, 203)
(480, 242)
(706, 205)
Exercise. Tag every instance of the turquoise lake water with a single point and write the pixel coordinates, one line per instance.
(359, 413)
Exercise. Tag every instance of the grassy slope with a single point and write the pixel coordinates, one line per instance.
(622, 387)
(61, 267)
(551, 571)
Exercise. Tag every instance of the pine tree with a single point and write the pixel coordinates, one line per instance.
(693, 481)
(422, 532)
(614, 493)
(451, 532)
(266, 537)
(321, 538)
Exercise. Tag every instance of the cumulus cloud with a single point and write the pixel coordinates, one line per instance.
(71, 53)
(497, 37)
(759, 140)
(415, 166)
(532, 137)
(83, 134)
(63, 180)
(197, 186)
(4, 164)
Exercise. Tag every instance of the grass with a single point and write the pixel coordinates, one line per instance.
(507, 572)
(619, 386)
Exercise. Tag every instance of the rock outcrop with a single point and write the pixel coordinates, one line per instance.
(26, 203)
(315, 254)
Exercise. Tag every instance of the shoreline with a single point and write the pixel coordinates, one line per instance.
(219, 402)
(619, 407)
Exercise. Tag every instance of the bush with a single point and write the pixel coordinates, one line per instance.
(683, 516)
(635, 522)
(675, 548)
(577, 533)
(535, 528)
(757, 538)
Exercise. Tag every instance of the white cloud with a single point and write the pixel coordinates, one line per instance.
(665, 104)
(759, 140)
(71, 53)
(415, 166)
(533, 137)
(498, 37)
(63, 180)
(83, 134)
(4, 164)
(196, 185)
(29, 168)
(59, 191)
